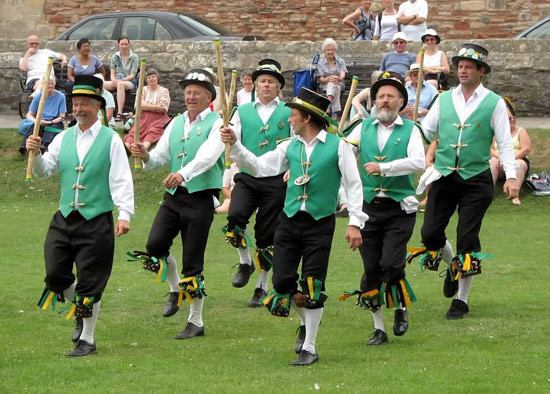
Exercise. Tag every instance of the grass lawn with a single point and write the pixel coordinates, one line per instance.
(503, 346)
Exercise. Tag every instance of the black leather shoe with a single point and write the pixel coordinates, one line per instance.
(78, 330)
(378, 338)
(190, 331)
(171, 307)
(243, 275)
(22, 150)
(82, 349)
(305, 358)
(450, 287)
(255, 302)
(300, 340)
(400, 322)
(458, 310)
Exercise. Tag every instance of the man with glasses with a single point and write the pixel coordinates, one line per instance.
(35, 61)
(399, 60)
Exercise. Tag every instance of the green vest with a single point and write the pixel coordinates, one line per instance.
(260, 138)
(94, 195)
(183, 150)
(475, 144)
(395, 187)
(325, 176)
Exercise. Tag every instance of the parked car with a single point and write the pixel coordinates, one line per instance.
(540, 30)
(148, 25)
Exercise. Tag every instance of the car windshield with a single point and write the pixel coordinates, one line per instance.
(202, 26)
(541, 31)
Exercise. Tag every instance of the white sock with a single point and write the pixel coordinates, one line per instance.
(464, 288)
(447, 252)
(195, 312)
(244, 256)
(300, 312)
(378, 319)
(172, 275)
(89, 325)
(313, 319)
(68, 293)
(263, 277)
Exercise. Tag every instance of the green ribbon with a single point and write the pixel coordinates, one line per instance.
(412, 296)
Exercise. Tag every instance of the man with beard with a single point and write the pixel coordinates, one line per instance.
(94, 176)
(191, 146)
(258, 125)
(465, 120)
(318, 162)
(391, 150)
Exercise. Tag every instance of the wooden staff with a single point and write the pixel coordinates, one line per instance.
(38, 118)
(419, 84)
(139, 94)
(354, 82)
(225, 110)
(232, 89)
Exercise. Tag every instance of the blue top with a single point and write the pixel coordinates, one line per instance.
(91, 69)
(53, 106)
(397, 62)
(427, 93)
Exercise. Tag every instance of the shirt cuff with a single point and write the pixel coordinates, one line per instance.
(185, 174)
(384, 169)
(511, 173)
(355, 221)
(124, 215)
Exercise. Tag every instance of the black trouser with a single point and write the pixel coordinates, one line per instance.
(47, 136)
(301, 238)
(384, 246)
(188, 214)
(265, 194)
(90, 244)
(472, 197)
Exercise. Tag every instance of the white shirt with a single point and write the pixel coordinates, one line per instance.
(244, 97)
(418, 8)
(499, 123)
(109, 103)
(275, 162)
(37, 63)
(207, 155)
(414, 162)
(120, 177)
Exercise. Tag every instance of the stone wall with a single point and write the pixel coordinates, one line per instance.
(279, 20)
(521, 69)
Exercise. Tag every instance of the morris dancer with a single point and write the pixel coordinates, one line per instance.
(94, 177)
(258, 125)
(391, 150)
(191, 146)
(465, 120)
(318, 161)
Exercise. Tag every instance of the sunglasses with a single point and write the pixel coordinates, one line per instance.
(399, 43)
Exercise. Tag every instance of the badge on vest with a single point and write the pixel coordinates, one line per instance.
(281, 125)
(301, 180)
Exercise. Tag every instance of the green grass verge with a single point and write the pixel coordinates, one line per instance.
(502, 346)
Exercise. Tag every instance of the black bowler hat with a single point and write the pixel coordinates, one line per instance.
(475, 53)
(198, 76)
(313, 103)
(270, 67)
(393, 79)
(88, 86)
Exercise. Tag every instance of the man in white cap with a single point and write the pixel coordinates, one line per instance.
(399, 60)
(427, 94)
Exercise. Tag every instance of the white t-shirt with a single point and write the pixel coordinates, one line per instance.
(244, 97)
(37, 63)
(419, 8)
(387, 28)
(109, 103)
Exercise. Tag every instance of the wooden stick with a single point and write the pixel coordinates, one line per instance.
(137, 116)
(38, 118)
(419, 84)
(225, 110)
(354, 82)
(232, 89)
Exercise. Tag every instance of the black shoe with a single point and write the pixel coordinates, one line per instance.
(171, 307)
(78, 329)
(378, 338)
(300, 340)
(400, 322)
(305, 358)
(458, 310)
(22, 150)
(450, 286)
(190, 331)
(82, 349)
(255, 302)
(243, 275)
